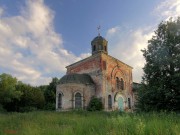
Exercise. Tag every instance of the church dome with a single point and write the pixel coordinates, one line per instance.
(99, 44)
(98, 38)
(76, 78)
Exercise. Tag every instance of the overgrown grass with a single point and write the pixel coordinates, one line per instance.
(89, 123)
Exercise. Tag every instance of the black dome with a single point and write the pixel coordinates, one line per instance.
(98, 38)
(76, 78)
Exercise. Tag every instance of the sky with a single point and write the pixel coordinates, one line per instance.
(39, 38)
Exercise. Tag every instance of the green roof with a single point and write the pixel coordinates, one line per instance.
(76, 78)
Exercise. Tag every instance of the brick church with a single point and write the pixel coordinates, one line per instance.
(99, 75)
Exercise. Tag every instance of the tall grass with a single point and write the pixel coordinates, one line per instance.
(89, 123)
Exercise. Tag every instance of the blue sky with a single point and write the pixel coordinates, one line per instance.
(40, 37)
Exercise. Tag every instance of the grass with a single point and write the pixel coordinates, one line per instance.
(89, 123)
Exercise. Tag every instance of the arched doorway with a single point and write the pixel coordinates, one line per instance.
(78, 100)
(119, 100)
(120, 104)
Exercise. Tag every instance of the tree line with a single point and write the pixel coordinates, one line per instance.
(18, 96)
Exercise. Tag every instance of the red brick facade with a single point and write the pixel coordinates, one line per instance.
(104, 69)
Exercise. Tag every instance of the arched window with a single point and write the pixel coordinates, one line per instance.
(122, 84)
(117, 83)
(60, 100)
(129, 103)
(78, 100)
(109, 102)
(94, 48)
(105, 48)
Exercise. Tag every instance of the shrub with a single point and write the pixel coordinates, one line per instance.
(2, 110)
(95, 104)
(50, 106)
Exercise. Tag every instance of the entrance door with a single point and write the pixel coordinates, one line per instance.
(120, 104)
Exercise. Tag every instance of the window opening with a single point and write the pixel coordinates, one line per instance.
(60, 100)
(78, 100)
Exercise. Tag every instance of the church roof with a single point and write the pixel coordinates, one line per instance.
(98, 38)
(76, 78)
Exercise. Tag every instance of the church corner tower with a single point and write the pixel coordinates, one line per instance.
(99, 44)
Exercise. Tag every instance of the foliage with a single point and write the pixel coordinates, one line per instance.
(160, 89)
(2, 109)
(50, 94)
(89, 123)
(31, 99)
(17, 96)
(8, 91)
(50, 106)
(20, 97)
(95, 104)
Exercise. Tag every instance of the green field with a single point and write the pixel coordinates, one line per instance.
(89, 123)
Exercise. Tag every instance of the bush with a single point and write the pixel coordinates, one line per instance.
(2, 110)
(95, 104)
(50, 106)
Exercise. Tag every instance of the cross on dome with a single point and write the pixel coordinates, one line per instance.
(98, 28)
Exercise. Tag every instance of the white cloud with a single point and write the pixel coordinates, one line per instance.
(113, 30)
(127, 47)
(167, 9)
(84, 55)
(30, 49)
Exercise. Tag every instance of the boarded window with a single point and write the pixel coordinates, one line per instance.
(78, 100)
(109, 102)
(60, 100)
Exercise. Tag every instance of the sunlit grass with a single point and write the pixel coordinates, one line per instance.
(89, 123)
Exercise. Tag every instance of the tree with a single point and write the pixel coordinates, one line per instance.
(160, 89)
(8, 91)
(50, 94)
(31, 99)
